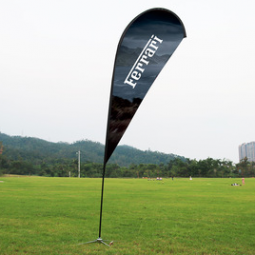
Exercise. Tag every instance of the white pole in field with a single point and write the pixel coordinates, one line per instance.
(79, 163)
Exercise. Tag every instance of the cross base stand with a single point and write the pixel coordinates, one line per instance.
(99, 240)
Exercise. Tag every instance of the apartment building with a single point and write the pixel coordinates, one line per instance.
(247, 150)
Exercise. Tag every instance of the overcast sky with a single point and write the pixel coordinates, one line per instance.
(56, 63)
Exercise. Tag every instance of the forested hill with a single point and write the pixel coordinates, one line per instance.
(34, 150)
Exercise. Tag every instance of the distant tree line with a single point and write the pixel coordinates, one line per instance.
(33, 156)
(174, 168)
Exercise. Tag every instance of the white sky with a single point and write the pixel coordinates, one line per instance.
(56, 63)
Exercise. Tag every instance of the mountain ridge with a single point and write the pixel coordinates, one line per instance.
(36, 149)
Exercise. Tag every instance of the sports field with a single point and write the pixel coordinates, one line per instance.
(57, 215)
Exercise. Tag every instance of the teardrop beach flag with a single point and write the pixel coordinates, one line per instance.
(144, 48)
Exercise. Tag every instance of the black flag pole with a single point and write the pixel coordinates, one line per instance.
(101, 206)
(144, 48)
(99, 239)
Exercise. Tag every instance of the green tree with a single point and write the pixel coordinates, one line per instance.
(243, 166)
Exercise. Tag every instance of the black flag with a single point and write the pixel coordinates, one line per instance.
(144, 48)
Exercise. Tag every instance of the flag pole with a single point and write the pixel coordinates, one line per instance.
(99, 239)
(102, 199)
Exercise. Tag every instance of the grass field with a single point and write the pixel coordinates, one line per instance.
(55, 215)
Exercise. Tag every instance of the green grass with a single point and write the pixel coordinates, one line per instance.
(54, 215)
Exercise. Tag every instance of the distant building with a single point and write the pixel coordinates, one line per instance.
(247, 150)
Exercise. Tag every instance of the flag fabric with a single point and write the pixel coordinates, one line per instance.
(144, 48)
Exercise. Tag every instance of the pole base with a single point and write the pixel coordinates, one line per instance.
(99, 240)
